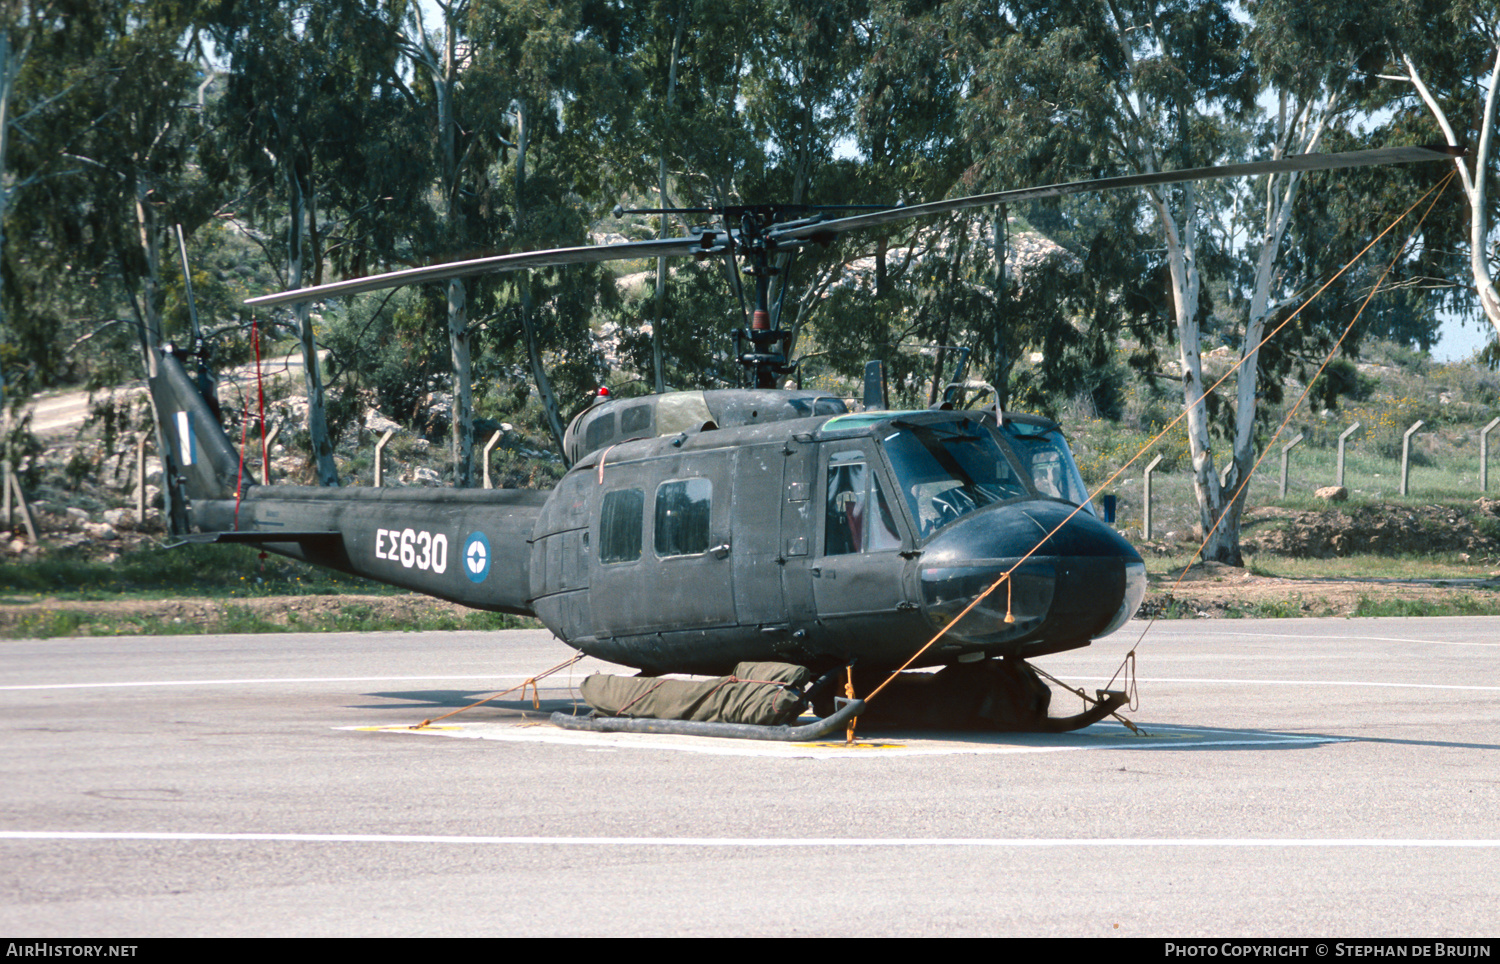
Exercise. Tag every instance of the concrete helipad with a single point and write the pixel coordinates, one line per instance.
(1297, 777)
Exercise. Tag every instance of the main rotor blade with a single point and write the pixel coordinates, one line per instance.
(1296, 162)
(707, 243)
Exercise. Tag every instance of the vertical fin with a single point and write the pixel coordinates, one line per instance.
(198, 460)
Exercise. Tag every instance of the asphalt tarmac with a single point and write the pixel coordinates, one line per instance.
(1305, 778)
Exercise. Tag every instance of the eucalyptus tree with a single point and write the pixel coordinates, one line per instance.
(1084, 87)
(538, 91)
(102, 154)
(17, 30)
(684, 140)
(1312, 61)
(303, 80)
(1449, 55)
(439, 53)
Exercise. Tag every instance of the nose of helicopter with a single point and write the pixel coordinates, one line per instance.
(1083, 581)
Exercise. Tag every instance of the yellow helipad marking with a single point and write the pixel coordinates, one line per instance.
(1107, 737)
(856, 745)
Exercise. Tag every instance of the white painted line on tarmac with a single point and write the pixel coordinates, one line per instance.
(1294, 682)
(266, 680)
(757, 842)
(1353, 639)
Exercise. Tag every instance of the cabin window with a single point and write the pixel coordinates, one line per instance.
(620, 525)
(682, 517)
(849, 524)
(600, 430)
(636, 420)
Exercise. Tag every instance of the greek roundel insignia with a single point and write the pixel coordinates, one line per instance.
(476, 557)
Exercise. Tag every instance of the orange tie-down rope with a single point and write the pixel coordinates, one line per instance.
(1266, 450)
(1129, 659)
(536, 694)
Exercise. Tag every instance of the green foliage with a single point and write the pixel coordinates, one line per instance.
(691, 317)
(243, 619)
(1102, 448)
(348, 112)
(1340, 379)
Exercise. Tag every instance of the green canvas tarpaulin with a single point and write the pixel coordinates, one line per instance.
(768, 694)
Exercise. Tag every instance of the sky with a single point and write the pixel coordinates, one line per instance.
(1458, 339)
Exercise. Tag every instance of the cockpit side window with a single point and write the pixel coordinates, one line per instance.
(1052, 467)
(600, 430)
(636, 420)
(857, 517)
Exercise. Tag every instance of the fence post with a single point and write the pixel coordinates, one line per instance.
(140, 480)
(1484, 454)
(380, 457)
(1286, 456)
(18, 504)
(1406, 453)
(1343, 437)
(1146, 499)
(488, 448)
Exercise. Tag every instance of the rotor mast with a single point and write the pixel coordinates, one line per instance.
(753, 233)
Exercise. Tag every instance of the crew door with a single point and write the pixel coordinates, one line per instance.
(859, 569)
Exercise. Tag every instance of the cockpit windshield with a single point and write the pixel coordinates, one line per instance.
(948, 469)
(1045, 453)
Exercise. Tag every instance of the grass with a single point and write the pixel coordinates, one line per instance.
(222, 574)
(1475, 605)
(241, 619)
(1303, 606)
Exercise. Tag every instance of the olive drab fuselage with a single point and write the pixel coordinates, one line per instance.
(825, 538)
(698, 530)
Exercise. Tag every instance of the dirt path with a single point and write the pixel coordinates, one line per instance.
(1214, 590)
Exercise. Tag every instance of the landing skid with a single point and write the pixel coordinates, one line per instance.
(1109, 702)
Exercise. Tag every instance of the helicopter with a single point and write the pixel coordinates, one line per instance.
(695, 531)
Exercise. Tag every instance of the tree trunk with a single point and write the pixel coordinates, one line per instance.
(463, 390)
(1000, 360)
(1223, 539)
(458, 306)
(7, 78)
(659, 380)
(538, 372)
(317, 419)
(1474, 186)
